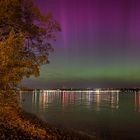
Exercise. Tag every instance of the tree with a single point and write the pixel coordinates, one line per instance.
(24, 40)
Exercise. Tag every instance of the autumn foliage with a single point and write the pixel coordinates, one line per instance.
(24, 40)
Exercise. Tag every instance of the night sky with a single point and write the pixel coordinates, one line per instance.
(99, 45)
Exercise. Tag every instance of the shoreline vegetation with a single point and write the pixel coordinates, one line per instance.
(17, 124)
(25, 44)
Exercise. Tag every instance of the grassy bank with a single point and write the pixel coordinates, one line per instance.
(16, 124)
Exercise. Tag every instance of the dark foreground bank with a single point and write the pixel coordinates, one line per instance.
(16, 124)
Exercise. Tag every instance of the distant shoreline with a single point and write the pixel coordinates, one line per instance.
(84, 90)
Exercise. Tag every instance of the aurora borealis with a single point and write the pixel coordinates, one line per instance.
(99, 45)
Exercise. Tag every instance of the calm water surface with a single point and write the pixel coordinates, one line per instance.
(112, 115)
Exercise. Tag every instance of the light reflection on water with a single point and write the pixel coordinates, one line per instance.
(105, 112)
(91, 100)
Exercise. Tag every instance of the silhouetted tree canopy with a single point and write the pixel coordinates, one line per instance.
(24, 40)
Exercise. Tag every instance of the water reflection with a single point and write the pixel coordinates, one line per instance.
(109, 113)
(42, 99)
(137, 102)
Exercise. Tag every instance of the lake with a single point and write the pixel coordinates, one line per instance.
(110, 114)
